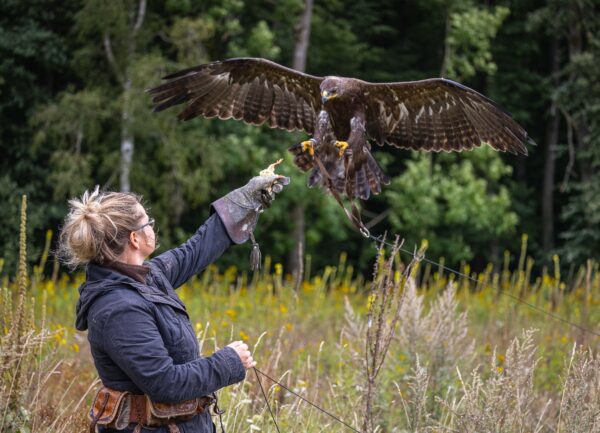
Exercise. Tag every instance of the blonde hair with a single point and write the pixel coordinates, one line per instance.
(97, 227)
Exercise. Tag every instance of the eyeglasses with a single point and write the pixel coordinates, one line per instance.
(149, 223)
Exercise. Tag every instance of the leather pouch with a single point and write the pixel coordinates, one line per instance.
(163, 413)
(110, 408)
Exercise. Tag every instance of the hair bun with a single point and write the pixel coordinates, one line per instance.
(98, 226)
(93, 207)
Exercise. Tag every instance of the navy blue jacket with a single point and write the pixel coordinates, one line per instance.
(141, 337)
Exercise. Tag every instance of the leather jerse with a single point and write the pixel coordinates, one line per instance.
(117, 409)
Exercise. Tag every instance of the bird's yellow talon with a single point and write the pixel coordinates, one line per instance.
(342, 146)
(308, 146)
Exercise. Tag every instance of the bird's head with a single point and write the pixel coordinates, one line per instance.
(331, 87)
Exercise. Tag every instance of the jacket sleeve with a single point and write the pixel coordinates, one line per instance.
(132, 340)
(203, 248)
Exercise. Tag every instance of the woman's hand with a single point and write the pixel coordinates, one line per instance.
(241, 349)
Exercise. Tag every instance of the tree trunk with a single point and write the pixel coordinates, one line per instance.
(296, 257)
(303, 37)
(552, 128)
(575, 40)
(127, 140)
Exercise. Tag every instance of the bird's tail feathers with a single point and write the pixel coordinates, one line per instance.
(365, 177)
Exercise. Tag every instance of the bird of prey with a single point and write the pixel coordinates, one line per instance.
(343, 116)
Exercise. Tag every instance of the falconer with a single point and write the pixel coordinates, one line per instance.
(140, 335)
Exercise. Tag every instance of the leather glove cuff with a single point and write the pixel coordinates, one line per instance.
(239, 221)
(240, 208)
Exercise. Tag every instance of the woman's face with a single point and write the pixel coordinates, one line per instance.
(147, 235)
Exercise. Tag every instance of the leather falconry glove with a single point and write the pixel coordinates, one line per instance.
(240, 208)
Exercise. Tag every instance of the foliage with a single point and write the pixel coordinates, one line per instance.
(576, 24)
(579, 98)
(34, 57)
(63, 99)
(450, 202)
(469, 41)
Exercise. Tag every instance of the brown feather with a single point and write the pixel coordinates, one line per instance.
(264, 93)
(440, 115)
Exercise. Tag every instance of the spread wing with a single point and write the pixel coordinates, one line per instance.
(256, 91)
(439, 115)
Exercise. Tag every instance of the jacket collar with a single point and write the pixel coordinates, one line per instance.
(138, 272)
(97, 275)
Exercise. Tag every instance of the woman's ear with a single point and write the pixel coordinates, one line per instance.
(134, 240)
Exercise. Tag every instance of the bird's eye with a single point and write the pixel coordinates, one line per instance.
(333, 90)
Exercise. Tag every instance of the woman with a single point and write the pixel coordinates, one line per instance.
(141, 338)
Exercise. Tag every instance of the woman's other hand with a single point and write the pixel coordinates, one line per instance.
(241, 349)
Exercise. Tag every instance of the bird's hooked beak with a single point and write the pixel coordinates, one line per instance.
(326, 96)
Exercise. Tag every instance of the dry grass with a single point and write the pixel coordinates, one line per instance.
(414, 350)
(34, 394)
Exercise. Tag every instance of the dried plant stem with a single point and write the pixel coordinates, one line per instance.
(386, 295)
(20, 313)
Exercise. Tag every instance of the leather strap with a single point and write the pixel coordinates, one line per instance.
(97, 417)
(138, 409)
(353, 216)
(172, 428)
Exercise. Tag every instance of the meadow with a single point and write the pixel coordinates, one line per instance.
(415, 348)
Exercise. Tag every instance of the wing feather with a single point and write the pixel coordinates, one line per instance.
(209, 104)
(291, 120)
(226, 106)
(256, 91)
(252, 105)
(281, 113)
(439, 115)
(278, 105)
(239, 102)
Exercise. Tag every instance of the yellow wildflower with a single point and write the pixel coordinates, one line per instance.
(231, 313)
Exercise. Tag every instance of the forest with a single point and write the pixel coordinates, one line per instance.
(73, 77)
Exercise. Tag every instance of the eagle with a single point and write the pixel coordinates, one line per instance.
(344, 116)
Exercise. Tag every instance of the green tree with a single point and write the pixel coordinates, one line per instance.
(63, 101)
(458, 202)
(576, 25)
(34, 66)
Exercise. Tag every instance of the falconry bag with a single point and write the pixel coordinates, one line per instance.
(118, 409)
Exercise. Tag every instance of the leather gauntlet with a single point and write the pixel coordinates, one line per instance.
(240, 208)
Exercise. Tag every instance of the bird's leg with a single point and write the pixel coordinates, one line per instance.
(342, 146)
(304, 153)
(309, 146)
(357, 137)
(322, 129)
